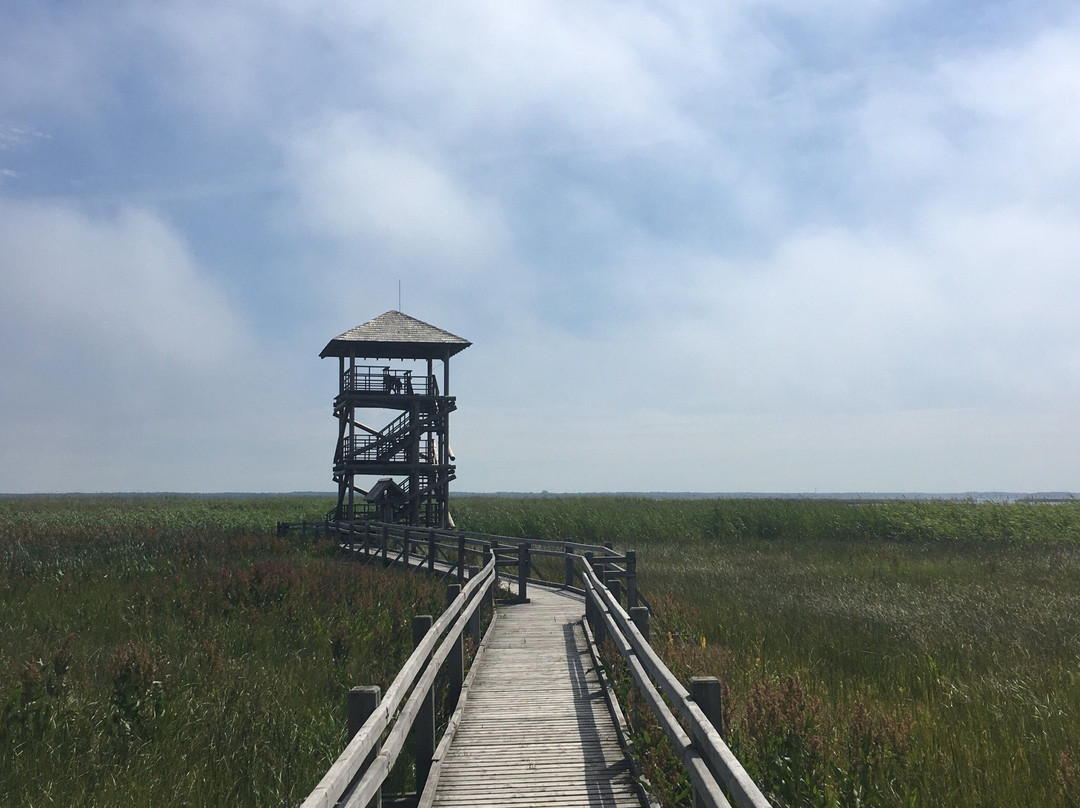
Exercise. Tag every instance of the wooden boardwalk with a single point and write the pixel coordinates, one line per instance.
(535, 729)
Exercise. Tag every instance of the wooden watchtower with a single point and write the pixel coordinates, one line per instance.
(396, 384)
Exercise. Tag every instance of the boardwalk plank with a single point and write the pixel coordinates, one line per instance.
(536, 730)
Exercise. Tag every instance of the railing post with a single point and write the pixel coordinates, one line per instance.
(424, 728)
(461, 559)
(597, 622)
(385, 546)
(362, 702)
(495, 555)
(474, 621)
(489, 554)
(590, 607)
(640, 616)
(601, 631)
(455, 663)
(705, 691)
(523, 572)
(367, 540)
(569, 561)
(631, 579)
(406, 540)
(615, 585)
(431, 552)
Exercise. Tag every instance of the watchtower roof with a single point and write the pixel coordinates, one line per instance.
(395, 336)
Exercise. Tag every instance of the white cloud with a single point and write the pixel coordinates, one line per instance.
(962, 309)
(789, 238)
(559, 76)
(386, 208)
(126, 368)
(123, 284)
(975, 126)
(362, 188)
(599, 75)
(1025, 102)
(218, 57)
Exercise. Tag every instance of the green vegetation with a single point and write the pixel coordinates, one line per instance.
(910, 653)
(174, 651)
(641, 522)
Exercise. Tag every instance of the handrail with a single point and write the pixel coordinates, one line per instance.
(708, 760)
(360, 446)
(617, 565)
(384, 379)
(704, 753)
(417, 675)
(480, 540)
(379, 769)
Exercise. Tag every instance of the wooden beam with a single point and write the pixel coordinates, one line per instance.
(424, 726)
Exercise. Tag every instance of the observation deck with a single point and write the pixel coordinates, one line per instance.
(415, 444)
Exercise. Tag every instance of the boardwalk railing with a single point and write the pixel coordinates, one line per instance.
(602, 576)
(357, 775)
(702, 750)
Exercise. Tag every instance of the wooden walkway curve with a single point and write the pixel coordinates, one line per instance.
(534, 723)
(535, 728)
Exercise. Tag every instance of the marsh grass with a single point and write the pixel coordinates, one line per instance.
(176, 652)
(888, 654)
(173, 651)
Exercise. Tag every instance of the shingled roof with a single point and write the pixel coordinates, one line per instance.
(395, 336)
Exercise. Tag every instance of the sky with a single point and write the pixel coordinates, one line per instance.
(755, 246)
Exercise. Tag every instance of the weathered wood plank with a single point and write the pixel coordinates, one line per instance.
(596, 798)
(536, 729)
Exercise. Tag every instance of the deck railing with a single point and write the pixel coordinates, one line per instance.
(384, 380)
(604, 577)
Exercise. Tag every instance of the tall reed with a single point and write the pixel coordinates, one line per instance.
(902, 653)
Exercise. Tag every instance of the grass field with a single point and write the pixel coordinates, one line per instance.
(889, 654)
(173, 651)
